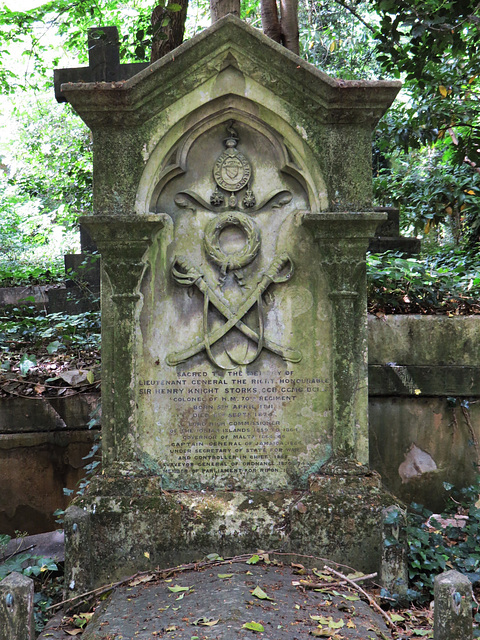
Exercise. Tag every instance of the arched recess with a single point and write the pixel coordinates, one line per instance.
(169, 158)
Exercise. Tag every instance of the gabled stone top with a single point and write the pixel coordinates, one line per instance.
(230, 42)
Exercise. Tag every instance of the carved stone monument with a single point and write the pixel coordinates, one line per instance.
(232, 213)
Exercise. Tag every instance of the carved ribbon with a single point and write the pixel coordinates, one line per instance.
(185, 274)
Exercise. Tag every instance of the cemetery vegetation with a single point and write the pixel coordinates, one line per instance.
(441, 542)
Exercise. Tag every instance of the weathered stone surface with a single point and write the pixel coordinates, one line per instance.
(104, 62)
(424, 384)
(78, 562)
(232, 212)
(264, 372)
(268, 423)
(46, 545)
(453, 607)
(18, 295)
(16, 607)
(387, 236)
(445, 436)
(223, 593)
(229, 601)
(34, 469)
(231, 60)
(416, 340)
(27, 415)
(134, 525)
(394, 567)
(392, 379)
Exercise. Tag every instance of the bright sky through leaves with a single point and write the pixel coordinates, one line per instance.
(23, 5)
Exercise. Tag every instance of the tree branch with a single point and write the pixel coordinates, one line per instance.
(358, 588)
(353, 11)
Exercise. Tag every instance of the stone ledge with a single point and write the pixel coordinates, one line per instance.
(32, 415)
(145, 527)
(424, 340)
(413, 380)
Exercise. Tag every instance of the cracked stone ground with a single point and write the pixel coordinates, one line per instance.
(236, 601)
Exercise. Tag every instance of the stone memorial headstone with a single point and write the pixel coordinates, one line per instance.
(233, 212)
(388, 238)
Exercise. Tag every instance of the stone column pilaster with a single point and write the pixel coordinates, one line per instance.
(342, 240)
(123, 242)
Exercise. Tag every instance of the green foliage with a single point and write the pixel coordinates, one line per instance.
(435, 49)
(416, 33)
(446, 282)
(35, 566)
(26, 325)
(4, 540)
(432, 193)
(52, 160)
(336, 41)
(28, 271)
(437, 543)
(69, 22)
(45, 185)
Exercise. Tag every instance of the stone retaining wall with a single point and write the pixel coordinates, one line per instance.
(424, 379)
(42, 444)
(424, 403)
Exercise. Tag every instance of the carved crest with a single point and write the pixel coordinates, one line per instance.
(232, 172)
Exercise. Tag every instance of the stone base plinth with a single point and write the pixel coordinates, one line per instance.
(129, 524)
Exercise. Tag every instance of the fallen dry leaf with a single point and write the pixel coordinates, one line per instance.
(141, 580)
(206, 622)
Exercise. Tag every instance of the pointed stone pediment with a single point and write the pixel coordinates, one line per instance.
(231, 71)
(230, 46)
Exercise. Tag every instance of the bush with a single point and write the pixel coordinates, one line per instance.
(445, 282)
(450, 540)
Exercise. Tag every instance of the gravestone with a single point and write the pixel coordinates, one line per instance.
(388, 238)
(232, 211)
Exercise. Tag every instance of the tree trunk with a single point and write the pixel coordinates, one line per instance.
(289, 25)
(285, 28)
(167, 37)
(220, 8)
(270, 21)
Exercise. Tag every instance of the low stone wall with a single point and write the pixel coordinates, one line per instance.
(424, 377)
(424, 403)
(35, 294)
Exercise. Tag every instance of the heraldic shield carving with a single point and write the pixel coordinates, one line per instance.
(232, 174)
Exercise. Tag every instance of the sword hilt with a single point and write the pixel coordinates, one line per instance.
(278, 265)
(188, 274)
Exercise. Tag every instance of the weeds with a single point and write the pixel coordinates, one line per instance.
(450, 540)
(446, 283)
(25, 326)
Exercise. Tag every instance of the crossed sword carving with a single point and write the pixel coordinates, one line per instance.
(187, 275)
